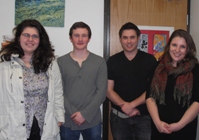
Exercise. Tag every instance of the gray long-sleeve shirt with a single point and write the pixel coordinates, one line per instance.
(84, 87)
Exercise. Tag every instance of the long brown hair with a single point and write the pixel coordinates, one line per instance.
(191, 48)
(42, 56)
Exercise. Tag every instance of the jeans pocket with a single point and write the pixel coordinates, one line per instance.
(113, 116)
(147, 117)
(4, 127)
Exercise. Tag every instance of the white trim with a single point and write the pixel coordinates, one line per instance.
(161, 28)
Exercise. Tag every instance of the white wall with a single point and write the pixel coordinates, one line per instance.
(194, 31)
(194, 23)
(88, 11)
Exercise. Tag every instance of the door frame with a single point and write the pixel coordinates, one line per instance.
(106, 55)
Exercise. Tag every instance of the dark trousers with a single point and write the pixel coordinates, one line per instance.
(133, 128)
(35, 130)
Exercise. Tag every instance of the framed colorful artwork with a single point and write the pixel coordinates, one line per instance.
(153, 39)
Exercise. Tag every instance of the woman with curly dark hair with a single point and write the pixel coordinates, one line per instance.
(31, 97)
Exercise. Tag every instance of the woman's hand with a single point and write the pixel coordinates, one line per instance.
(175, 127)
(163, 127)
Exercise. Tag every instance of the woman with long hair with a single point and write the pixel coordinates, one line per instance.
(173, 97)
(31, 97)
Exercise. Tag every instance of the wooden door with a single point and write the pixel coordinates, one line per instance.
(145, 13)
(142, 13)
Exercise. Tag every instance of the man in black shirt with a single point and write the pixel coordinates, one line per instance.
(128, 74)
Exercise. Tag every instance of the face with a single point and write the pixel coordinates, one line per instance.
(129, 40)
(29, 40)
(177, 50)
(80, 38)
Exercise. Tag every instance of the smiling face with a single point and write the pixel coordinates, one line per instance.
(129, 40)
(29, 40)
(177, 50)
(80, 38)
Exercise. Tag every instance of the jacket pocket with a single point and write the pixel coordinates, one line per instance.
(4, 127)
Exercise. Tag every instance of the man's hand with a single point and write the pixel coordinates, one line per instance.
(129, 110)
(60, 123)
(78, 118)
(134, 112)
(126, 108)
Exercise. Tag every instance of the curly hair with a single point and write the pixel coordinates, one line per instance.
(42, 56)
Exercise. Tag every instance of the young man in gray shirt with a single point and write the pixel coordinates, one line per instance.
(84, 76)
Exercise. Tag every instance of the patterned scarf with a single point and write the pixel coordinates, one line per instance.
(184, 81)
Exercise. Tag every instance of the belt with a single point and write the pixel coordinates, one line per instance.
(119, 114)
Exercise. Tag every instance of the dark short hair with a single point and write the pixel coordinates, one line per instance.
(191, 48)
(129, 26)
(80, 25)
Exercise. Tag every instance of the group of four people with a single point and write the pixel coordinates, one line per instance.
(43, 97)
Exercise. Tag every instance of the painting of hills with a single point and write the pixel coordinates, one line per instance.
(49, 13)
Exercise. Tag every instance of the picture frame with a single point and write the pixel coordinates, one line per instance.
(153, 39)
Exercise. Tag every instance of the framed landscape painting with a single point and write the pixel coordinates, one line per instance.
(49, 13)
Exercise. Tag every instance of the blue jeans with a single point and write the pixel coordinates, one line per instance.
(133, 128)
(93, 133)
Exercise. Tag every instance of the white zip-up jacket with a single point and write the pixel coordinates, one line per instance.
(12, 107)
